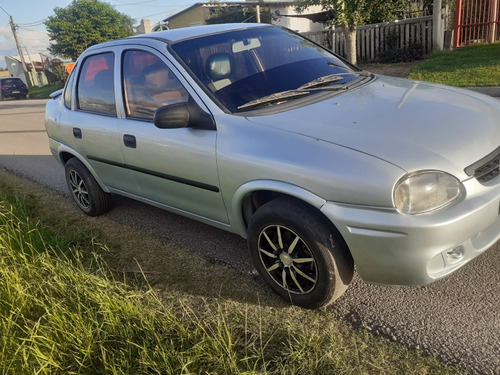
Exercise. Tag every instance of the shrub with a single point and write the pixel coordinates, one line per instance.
(392, 52)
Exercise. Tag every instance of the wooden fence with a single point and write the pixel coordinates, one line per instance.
(370, 39)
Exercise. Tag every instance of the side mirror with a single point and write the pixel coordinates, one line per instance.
(182, 115)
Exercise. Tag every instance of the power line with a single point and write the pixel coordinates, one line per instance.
(36, 23)
(35, 31)
(5, 11)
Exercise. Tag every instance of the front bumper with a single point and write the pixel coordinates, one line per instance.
(391, 248)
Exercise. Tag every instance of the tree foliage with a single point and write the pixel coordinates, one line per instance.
(84, 23)
(359, 12)
(352, 13)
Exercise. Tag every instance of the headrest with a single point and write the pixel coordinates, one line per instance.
(219, 66)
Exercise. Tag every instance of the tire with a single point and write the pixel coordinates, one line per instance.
(85, 190)
(310, 266)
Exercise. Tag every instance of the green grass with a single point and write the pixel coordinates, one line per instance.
(63, 312)
(476, 65)
(45, 91)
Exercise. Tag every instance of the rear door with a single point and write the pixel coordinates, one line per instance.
(92, 125)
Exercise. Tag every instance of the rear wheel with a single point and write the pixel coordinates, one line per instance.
(299, 253)
(85, 190)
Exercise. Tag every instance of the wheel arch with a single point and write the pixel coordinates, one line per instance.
(252, 195)
(66, 153)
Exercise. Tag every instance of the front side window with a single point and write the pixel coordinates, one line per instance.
(96, 84)
(149, 84)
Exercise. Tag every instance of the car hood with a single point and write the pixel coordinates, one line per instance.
(411, 124)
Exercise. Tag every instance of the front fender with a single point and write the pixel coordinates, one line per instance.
(238, 222)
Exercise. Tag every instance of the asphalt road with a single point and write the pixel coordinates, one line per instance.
(456, 319)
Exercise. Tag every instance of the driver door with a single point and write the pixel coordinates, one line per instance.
(174, 167)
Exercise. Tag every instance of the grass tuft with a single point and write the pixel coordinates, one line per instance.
(45, 91)
(472, 66)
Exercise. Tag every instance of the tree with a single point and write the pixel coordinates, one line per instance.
(84, 23)
(350, 14)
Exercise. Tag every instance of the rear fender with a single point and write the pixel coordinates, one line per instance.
(63, 153)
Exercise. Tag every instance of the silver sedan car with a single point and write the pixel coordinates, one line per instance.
(320, 165)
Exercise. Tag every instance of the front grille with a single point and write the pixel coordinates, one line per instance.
(487, 168)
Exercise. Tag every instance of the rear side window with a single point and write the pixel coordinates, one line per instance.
(149, 84)
(96, 84)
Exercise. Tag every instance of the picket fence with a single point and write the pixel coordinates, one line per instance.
(370, 38)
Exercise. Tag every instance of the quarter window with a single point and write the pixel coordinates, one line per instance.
(149, 84)
(96, 86)
(68, 91)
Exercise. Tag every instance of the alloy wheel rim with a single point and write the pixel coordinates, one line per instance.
(79, 190)
(287, 259)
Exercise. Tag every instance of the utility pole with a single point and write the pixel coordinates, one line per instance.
(21, 56)
(437, 25)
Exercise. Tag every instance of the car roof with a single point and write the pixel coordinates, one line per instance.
(175, 35)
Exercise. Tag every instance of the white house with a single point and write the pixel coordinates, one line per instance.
(284, 14)
(35, 64)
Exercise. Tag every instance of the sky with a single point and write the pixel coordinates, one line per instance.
(30, 14)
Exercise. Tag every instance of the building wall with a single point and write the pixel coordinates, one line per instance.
(297, 24)
(15, 68)
(199, 13)
(191, 17)
(144, 27)
(38, 78)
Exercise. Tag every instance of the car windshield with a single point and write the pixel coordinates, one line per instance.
(250, 65)
(12, 81)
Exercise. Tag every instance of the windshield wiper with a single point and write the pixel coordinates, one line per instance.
(321, 81)
(276, 97)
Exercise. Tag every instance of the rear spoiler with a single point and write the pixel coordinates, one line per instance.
(56, 94)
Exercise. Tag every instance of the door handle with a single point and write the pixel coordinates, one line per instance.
(129, 141)
(77, 133)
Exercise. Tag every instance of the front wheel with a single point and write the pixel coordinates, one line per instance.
(299, 253)
(85, 190)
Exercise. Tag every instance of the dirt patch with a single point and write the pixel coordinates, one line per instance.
(401, 70)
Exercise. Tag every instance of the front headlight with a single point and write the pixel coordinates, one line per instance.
(426, 191)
